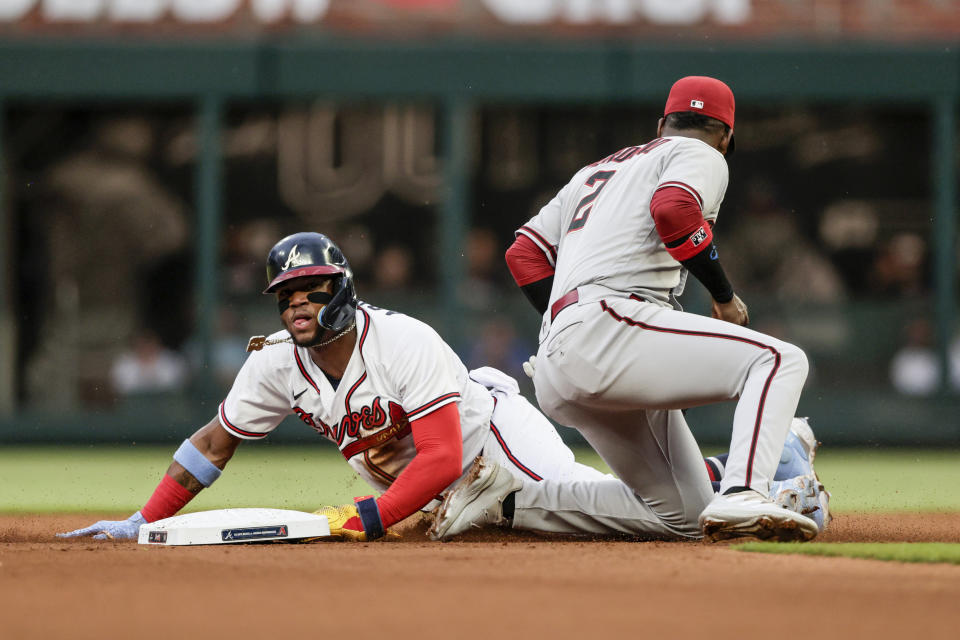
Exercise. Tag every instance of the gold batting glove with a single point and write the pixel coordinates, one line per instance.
(357, 522)
(344, 522)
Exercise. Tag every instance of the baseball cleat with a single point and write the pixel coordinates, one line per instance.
(476, 502)
(751, 514)
(806, 496)
(799, 451)
(823, 517)
(802, 433)
(804, 445)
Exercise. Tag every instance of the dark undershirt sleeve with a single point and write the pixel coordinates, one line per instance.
(705, 267)
(538, 293)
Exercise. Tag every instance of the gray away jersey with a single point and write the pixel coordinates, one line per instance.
(598, 229)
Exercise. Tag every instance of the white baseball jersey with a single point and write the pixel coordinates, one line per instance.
(600, 224)
(400, 370)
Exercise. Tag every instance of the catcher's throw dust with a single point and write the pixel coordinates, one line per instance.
(604, 261)
(404, 412)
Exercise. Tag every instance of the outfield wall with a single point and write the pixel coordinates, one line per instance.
(461, 81)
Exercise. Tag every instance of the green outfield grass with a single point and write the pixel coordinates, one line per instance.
(895, 551)
(882, 480)
(119, 479)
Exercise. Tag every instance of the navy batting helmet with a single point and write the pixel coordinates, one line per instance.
(314, 254)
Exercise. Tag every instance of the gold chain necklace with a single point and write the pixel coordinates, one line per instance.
(256, 343)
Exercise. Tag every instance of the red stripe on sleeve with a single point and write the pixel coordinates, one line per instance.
(527, 262)
(423, 409)
(437, 464)
(229, 426)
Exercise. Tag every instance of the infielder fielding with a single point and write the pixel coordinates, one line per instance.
(604, 261)
(397, 402)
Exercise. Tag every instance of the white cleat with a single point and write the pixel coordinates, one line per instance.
(476, 502)
(751, 514)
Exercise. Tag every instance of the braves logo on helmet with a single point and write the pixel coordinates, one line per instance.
(314, 254)
(294, 259)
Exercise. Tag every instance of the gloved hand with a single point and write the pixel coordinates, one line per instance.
(357, 522)
(530, 366)
(734, 311)
(127, 529)
(344, 522)
(495, 380)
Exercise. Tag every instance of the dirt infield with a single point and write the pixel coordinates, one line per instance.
(503, 585)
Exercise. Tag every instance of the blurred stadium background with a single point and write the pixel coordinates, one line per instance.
(153, 151)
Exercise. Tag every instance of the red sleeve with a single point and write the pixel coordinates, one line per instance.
(167, 499)
(677, 215)
(438, 463)
(676, 212)
(527, 262)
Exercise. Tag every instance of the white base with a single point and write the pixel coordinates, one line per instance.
(230, 526)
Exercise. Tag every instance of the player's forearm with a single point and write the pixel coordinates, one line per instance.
(216, 447)
(700, 258)
(705, 267)
(197, 463)
(424, 479)
(436, 466)
(184, 478)
(215, 443)
(188, 474)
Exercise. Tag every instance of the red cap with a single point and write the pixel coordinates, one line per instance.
(701, 94)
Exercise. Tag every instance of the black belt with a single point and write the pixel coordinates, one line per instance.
(563, 302)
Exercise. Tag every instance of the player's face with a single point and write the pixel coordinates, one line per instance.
(298, 313)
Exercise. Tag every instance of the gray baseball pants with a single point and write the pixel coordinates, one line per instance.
(619, 370)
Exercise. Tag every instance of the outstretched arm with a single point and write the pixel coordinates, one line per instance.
(436, 466)
(196, 464)
(216, 444)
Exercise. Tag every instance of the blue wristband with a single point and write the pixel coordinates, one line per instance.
(370, 517)
(196, 463)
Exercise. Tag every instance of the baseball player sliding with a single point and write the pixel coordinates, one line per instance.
(604, 261)
(402, 409)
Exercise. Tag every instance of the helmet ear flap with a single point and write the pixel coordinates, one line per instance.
(342, 308)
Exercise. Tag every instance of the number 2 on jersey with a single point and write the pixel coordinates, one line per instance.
(598, 181)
